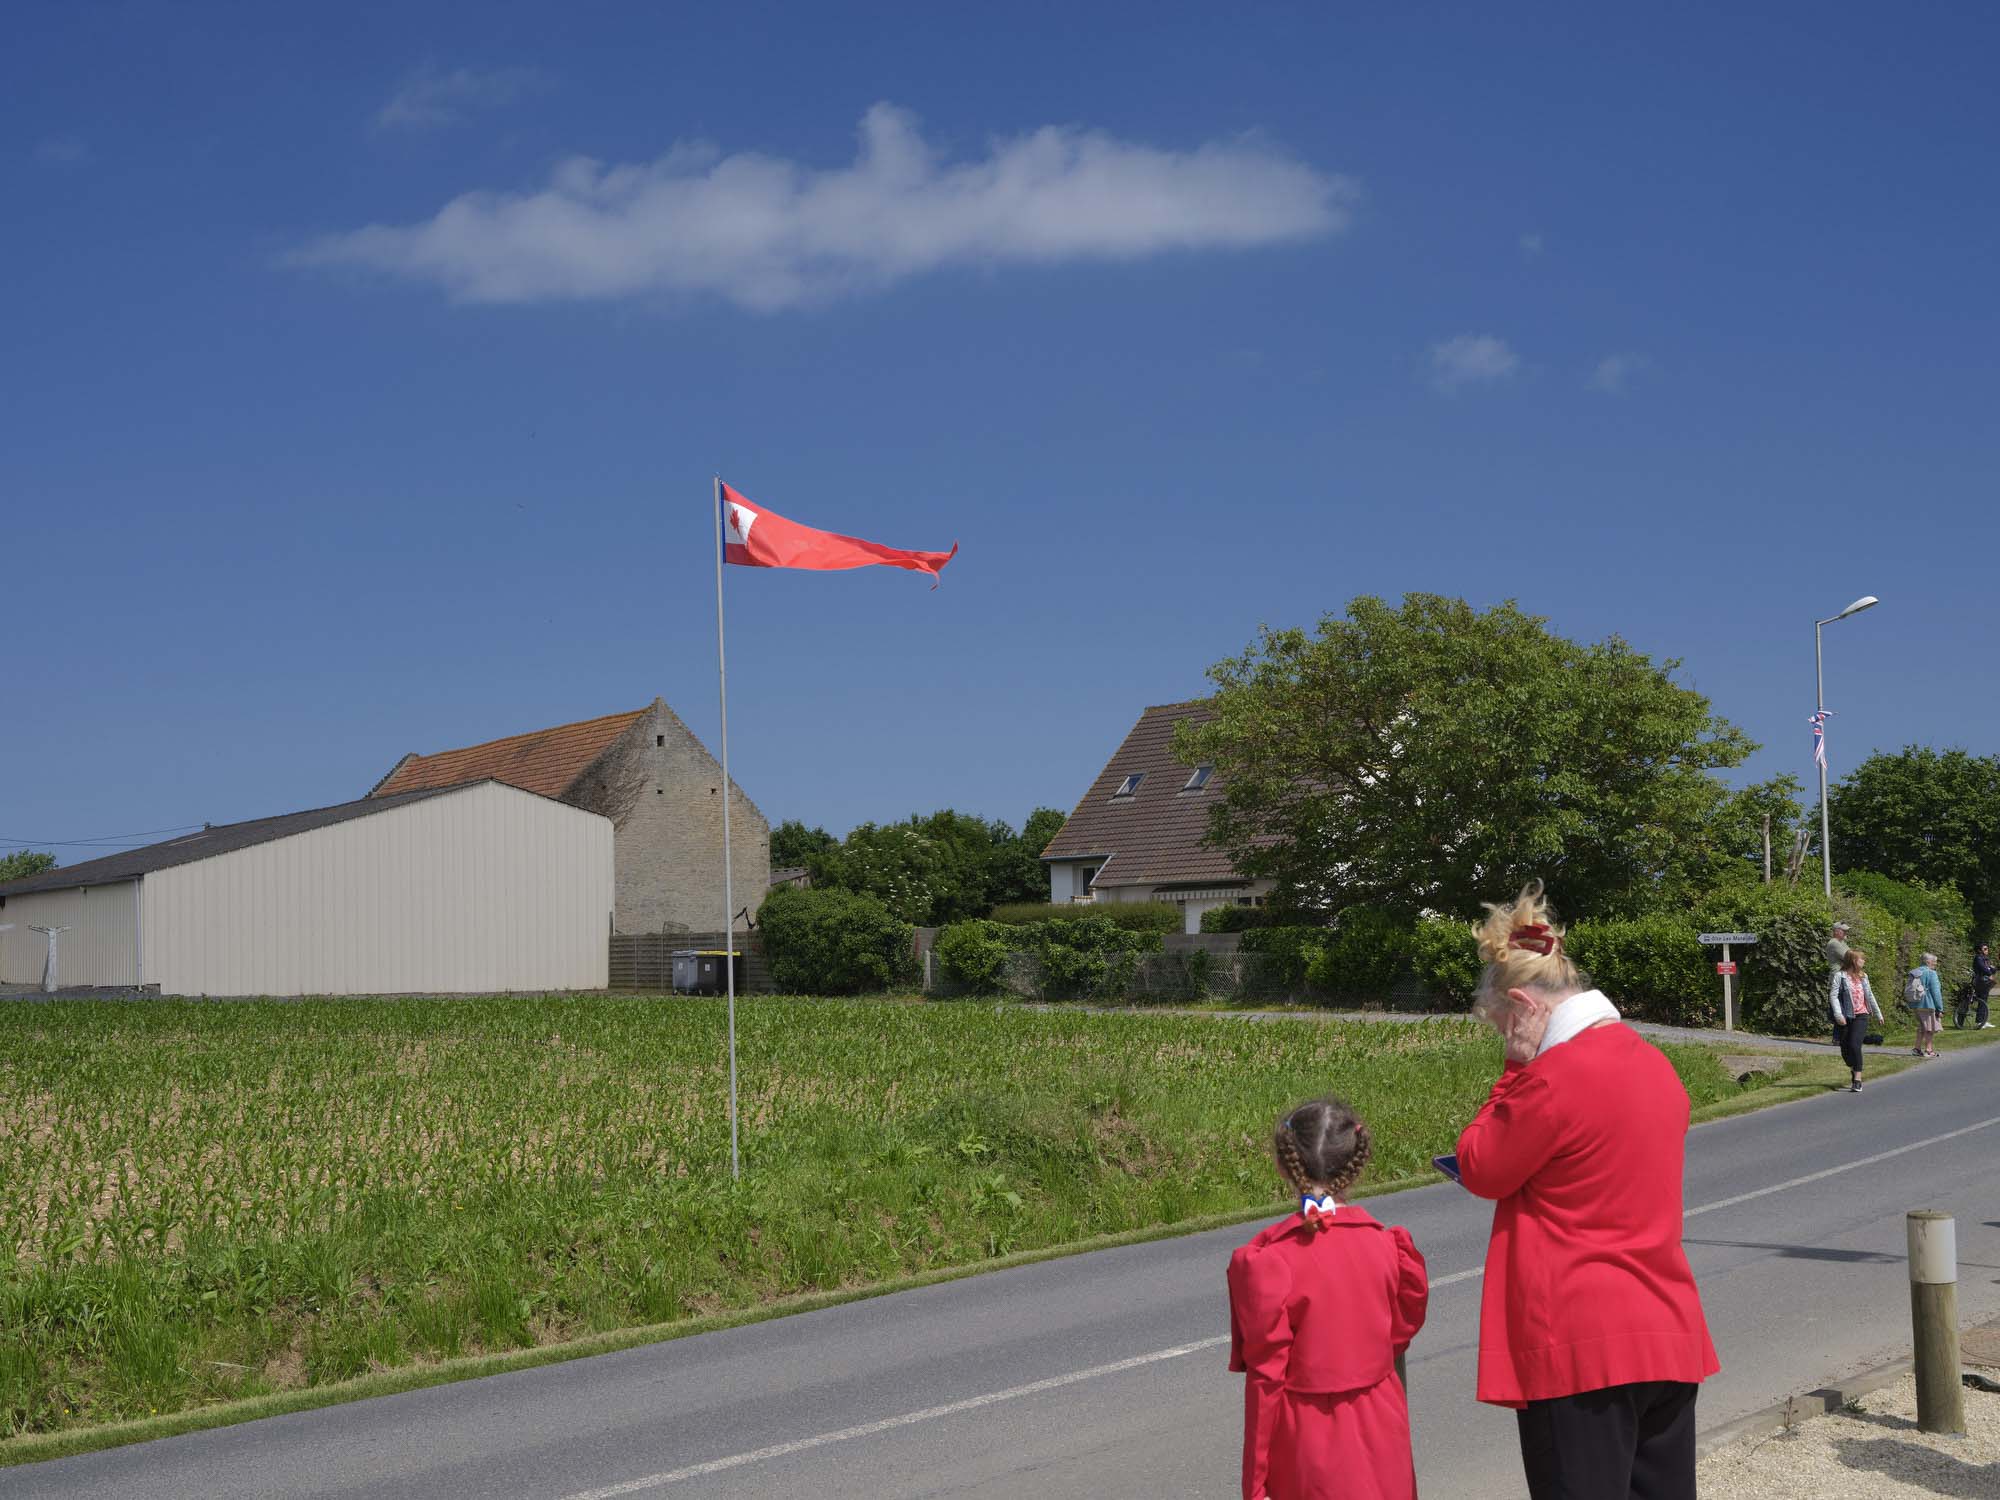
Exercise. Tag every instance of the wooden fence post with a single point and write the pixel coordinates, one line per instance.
(1933, 1241)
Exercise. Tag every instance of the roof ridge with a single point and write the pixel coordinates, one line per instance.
(630, 715)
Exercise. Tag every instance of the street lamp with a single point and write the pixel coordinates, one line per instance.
(1866, 601)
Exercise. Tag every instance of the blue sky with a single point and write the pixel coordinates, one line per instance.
(367, 367)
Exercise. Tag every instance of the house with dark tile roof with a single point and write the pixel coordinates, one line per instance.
(647, 772)
(1139, 832)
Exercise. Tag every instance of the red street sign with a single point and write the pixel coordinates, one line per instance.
(1725, 968)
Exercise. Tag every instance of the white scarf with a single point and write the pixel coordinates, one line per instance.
(1575, 1015)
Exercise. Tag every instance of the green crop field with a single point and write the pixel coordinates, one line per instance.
(210, 1201)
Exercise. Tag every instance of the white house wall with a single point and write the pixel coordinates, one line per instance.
(483, 889)
(101, 947)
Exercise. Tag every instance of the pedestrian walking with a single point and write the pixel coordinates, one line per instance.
(1836, 947)
(1590, 1325)
(1924, 994)
(1320, 1305)
(1982, 987)
(1853, 1002)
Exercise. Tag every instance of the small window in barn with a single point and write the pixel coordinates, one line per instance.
(1130, 785)
(659, 742)
(1200, 778)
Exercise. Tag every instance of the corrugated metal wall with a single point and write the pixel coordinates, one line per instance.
(102, 946)
(484, 889)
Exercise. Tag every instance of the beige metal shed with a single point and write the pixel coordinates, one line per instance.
(457, 890)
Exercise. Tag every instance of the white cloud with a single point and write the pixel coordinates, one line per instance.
(62, 151)
(428, 97)
(1531, 244)
(1471, 358)
(768, 233)
(1614, 370)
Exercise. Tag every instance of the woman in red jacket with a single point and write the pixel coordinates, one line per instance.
(1590, 1325)
(1320, 1305)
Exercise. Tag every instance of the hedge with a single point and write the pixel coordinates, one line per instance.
(1235, 918)
(1783, 979)
(1132, 916)
(1075, 957)
(1364, 956)
(1652, 967)
(826, 941)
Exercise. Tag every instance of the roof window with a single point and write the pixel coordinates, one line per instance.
(1200, 778)
(1130, 785)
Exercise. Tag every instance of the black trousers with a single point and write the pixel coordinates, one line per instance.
(1627, 1442)
(1849, 1035)
(1979, 997)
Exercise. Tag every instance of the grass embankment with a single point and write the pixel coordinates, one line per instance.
(212, 1202)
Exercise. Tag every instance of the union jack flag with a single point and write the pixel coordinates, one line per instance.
(1819, 737)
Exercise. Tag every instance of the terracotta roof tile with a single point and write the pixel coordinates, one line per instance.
(546, 762)
(1155, 835)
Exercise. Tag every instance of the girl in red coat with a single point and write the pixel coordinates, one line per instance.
(1320, 1305)
(1589, 1323)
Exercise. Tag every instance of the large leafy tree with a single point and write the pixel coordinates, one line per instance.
(1924, 815)
(23, 863)
(794, 845)
(943, 866)
(1015, 872)
(1429, 755)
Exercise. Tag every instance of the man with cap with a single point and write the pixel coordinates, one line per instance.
(1836, 946)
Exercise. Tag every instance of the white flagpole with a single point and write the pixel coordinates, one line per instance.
(728, 883)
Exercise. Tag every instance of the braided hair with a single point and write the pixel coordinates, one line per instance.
(1322, 1146)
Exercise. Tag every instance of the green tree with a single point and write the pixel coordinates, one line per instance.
(1427, 756)
(1015, 871)
(1925, 816)
(1733, 842)
(940, 867)
(928, 870)
(793, 845)
(24, 862)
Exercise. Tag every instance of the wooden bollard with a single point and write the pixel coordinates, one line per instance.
(1933, 1239)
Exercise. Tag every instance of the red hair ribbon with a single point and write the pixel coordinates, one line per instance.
(1535, 938)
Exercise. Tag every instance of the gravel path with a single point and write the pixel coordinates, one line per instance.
(1872, 1450)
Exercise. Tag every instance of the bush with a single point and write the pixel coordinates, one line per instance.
(834, 942)
(1132, 916)
(1081, 955)
(1895, 921)
(1364, 956)
(974, 954)
(1784, 977)
(1235, 918)
(1288, 952)
(1088, 957)
(1445, 955)
(1651, 967)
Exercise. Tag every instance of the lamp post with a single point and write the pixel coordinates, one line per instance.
(1866, 601)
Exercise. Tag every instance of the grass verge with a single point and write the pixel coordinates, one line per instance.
(228, 1211)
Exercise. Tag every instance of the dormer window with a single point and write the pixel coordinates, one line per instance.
(1130, 785)
(1200, 778)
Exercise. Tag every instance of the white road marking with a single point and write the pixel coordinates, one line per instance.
(868, 1429)
(1846, 1166)
(1056, 1382)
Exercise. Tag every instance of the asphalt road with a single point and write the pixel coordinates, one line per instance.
(1103, 1375)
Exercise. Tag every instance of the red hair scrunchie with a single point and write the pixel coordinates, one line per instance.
(1535, 938)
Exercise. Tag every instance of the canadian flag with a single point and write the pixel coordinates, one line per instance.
(758, 538)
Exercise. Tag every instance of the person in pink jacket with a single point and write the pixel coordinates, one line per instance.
(1320, 1306)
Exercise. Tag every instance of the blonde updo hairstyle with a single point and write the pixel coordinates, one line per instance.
(1521, 944)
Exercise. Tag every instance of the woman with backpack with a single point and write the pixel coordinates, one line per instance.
(1923, 994)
